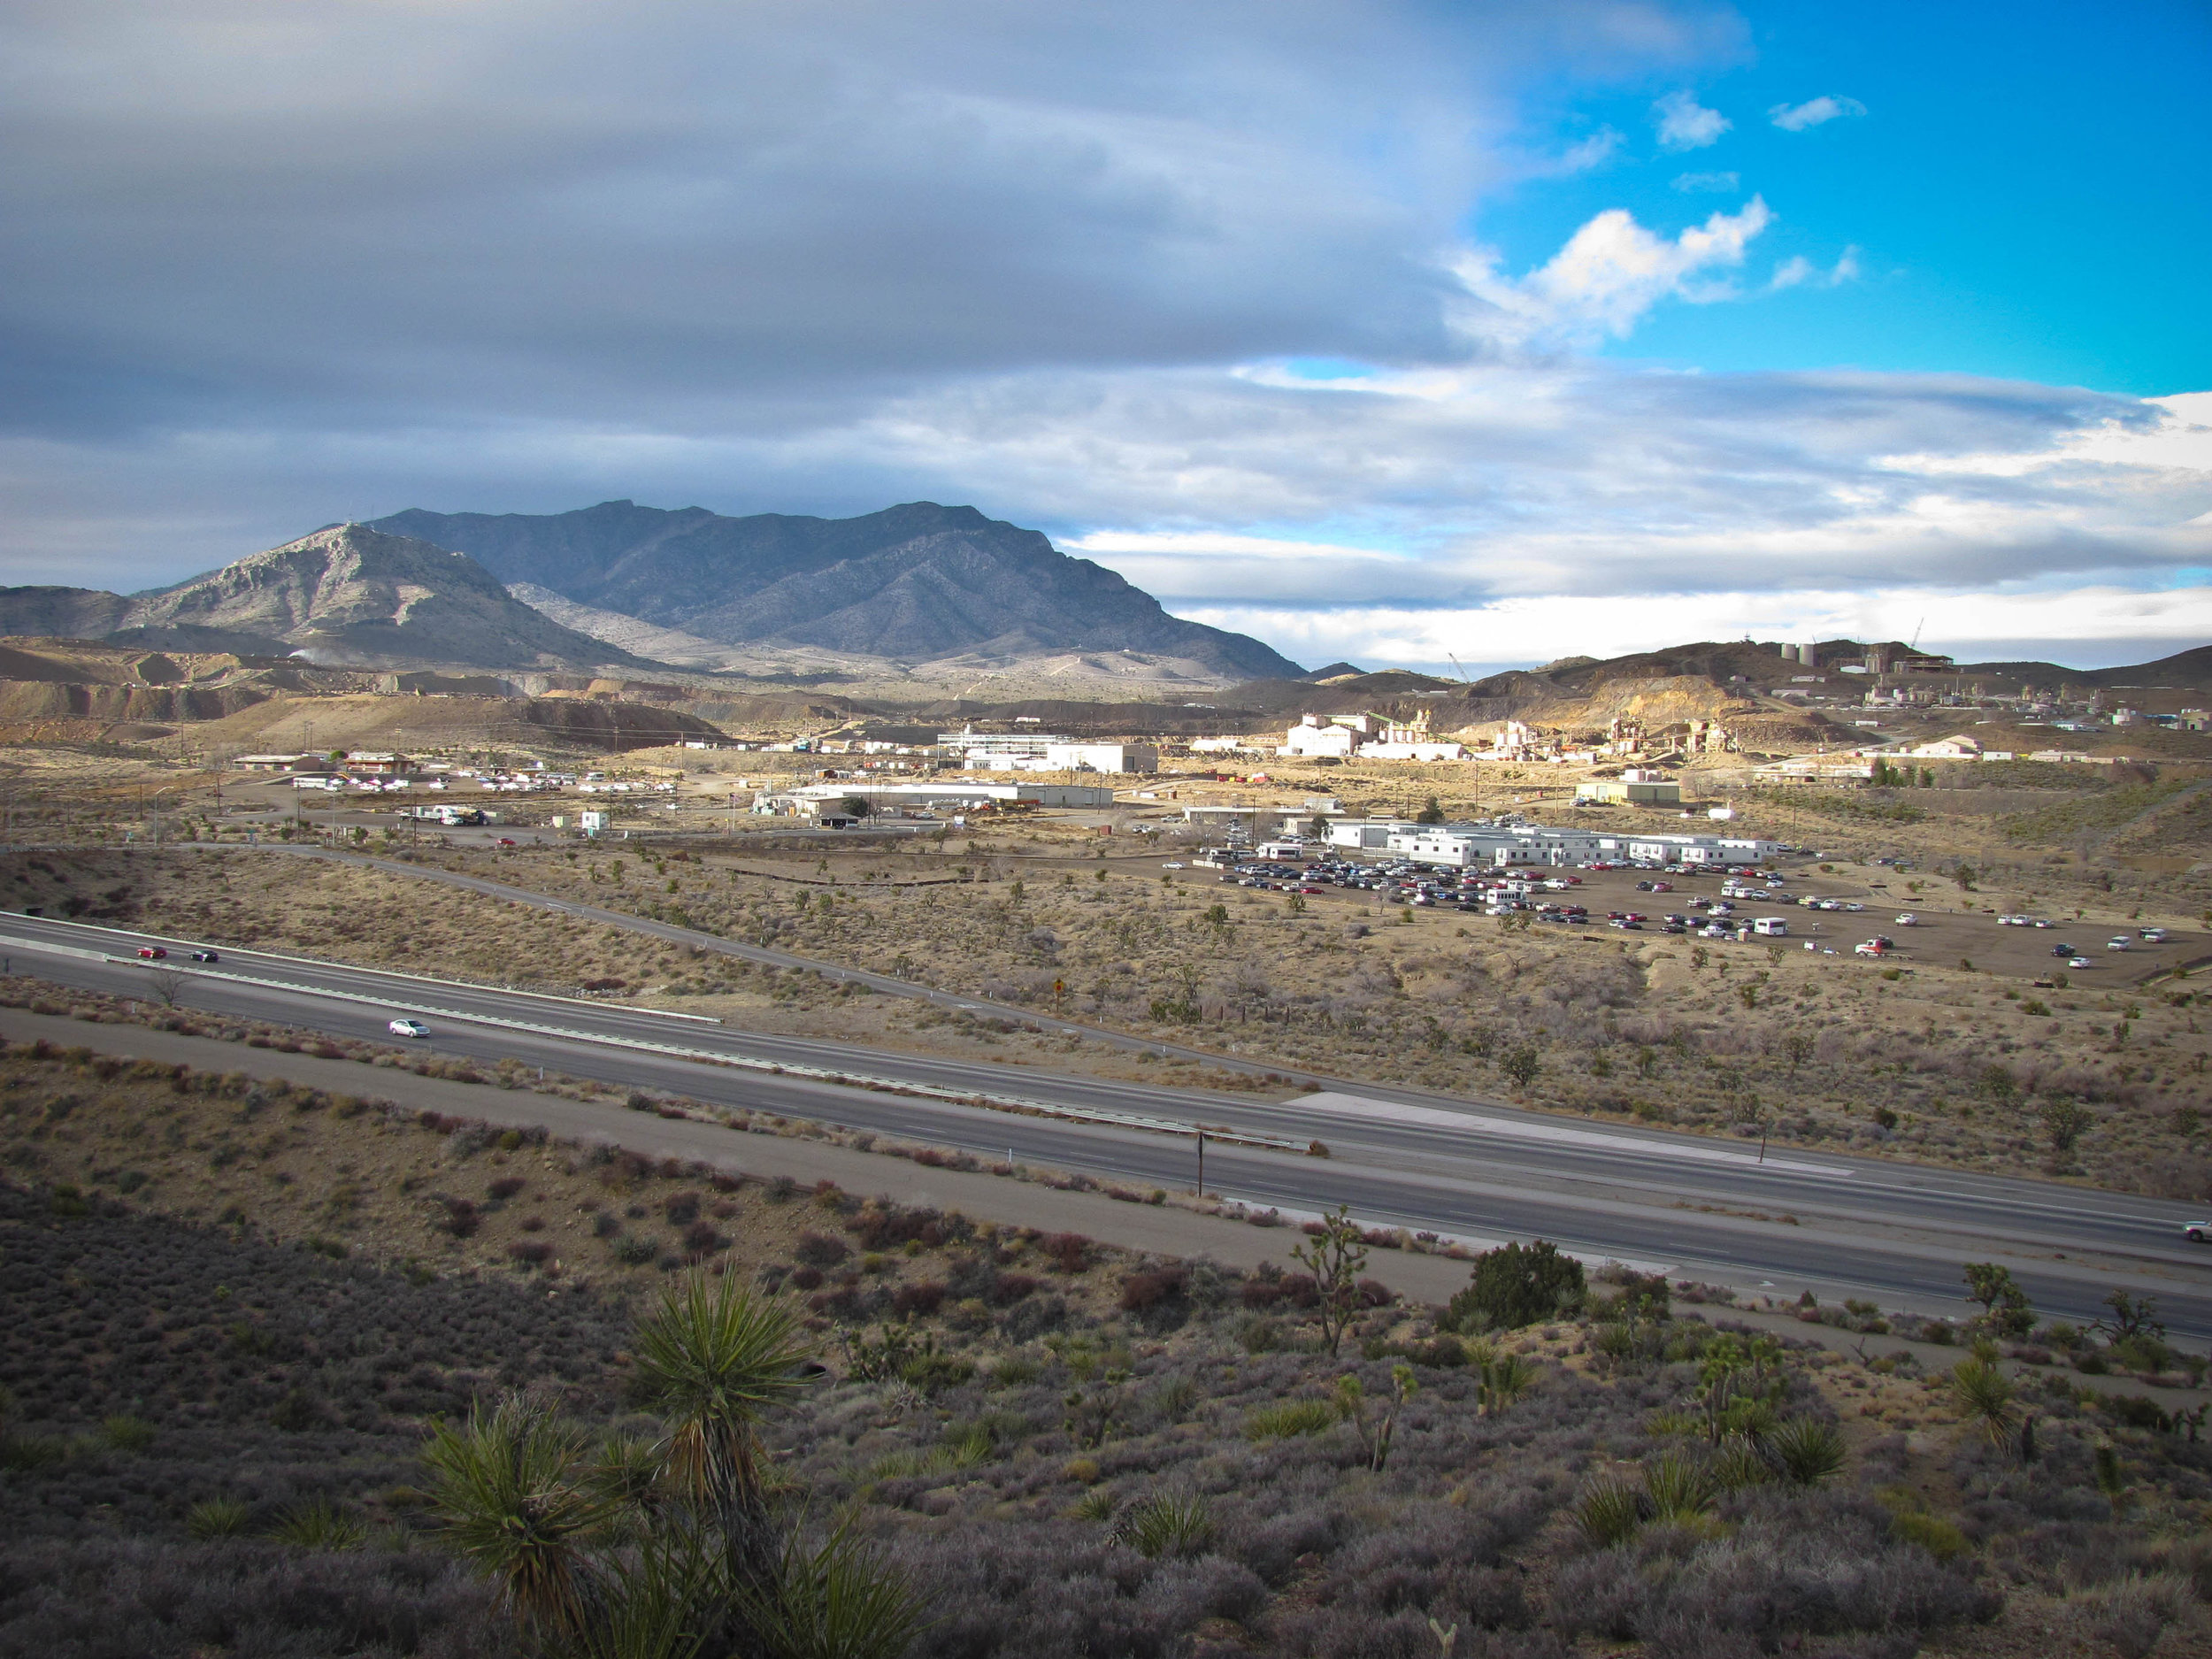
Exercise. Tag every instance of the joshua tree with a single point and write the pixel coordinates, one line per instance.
(670, 1548)
(1334, 1256)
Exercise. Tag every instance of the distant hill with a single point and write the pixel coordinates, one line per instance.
(916, 582)
(345, 596)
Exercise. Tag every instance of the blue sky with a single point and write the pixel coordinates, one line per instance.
(2026, 189)
(1383, 331)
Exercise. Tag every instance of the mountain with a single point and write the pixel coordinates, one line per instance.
(347, 595)
(915, 583)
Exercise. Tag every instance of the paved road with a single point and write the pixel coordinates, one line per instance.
(1895, 1233)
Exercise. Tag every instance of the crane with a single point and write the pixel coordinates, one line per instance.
(1463, 672)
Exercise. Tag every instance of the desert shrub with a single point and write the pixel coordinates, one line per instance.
(1513, 1288)
(1806, 1450)
(216, 1517)
(1071, 1252)
(924, 1296)
(1166, 1526)
(155, 1600)
(505, 1187)
(318, 1524)
(1149, 1286)
(531, 1252)
(1608, 1513)
(818, 1249)
(702, 1238)
(125, 1433)
(1939, 1537)
(1289, 1418)
(635, 1249)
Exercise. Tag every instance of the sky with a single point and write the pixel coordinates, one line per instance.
(1393, 333)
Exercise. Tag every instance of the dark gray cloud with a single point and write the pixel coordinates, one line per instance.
(272, 262)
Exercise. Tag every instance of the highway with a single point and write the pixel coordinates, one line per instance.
(1894, 1233)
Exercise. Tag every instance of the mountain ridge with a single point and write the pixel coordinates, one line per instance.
(915, 581)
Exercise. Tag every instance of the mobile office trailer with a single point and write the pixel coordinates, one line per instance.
(1772, 927)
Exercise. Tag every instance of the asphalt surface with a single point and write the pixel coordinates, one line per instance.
(1894, 1233)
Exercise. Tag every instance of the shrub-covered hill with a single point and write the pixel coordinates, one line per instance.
(213, 1439)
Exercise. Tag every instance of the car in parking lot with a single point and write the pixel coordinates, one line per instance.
(2063, 951)
(2079, 962)
(2122, 944)
(1908, 919)
(408, 1028)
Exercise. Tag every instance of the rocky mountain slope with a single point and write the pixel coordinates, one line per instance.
(345, 596)
(915, 582)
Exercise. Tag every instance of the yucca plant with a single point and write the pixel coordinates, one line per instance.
(508, 1492)
(1504, 1379)
(317, 1526)
(838, 1599)
(1681, 1487)
(1289, 1417)
(1166, 1526)
(1984, 1395)
(714, 1358)
(1806, 1450)
(1097, 1504)
(1608, 1513)
(217, 1517)
(1738, 1464)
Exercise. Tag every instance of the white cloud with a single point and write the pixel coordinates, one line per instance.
(1813, 112)
(1609, 274)
(1797, 271)
(1720, 181)
(1594, 152)
(1685, 123)
(2109, 624)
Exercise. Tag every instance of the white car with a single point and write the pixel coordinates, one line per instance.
(2121, 943)
(408, 1028)
(1172, 864)
(1908, 919)
(2196, 1230)
(2079, 962)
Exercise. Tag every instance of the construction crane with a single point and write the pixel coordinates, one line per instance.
(1463, 674)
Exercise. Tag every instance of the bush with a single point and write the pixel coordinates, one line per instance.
(127, 1434)
(216, 1517)
(1288, 1419)
(317, 1526)
(1806, 1450)
(1513, 1288)
(1608, 1513)
(1166, 1526)
(818, 1249)
(1932, 1532)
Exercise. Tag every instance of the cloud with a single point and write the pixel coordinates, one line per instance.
(2079, 626)
(1813, 112)
(1797, 271)
(1685, 124)
(1609, 276)
(1594, 152)
(1694, 181)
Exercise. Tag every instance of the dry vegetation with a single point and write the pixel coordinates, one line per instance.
(1928, 1061)
(236, 1307)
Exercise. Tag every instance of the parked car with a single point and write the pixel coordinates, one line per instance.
(2079, 962)
(2122, 944)
(2063, 951)
(1908, 919)
(152, 953)
(408, 1028)
(207, 955)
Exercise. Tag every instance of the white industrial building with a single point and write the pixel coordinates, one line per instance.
(1471, 846)
(1068, 757)
(812, 799)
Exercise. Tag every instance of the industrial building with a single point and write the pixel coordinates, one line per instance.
(814, 799)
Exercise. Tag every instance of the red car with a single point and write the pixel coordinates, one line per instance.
(152, 953)
(507, 841)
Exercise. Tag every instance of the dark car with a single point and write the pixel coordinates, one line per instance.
(207, 955)
(2056, 950)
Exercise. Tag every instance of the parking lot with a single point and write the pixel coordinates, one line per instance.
(1722, 906)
